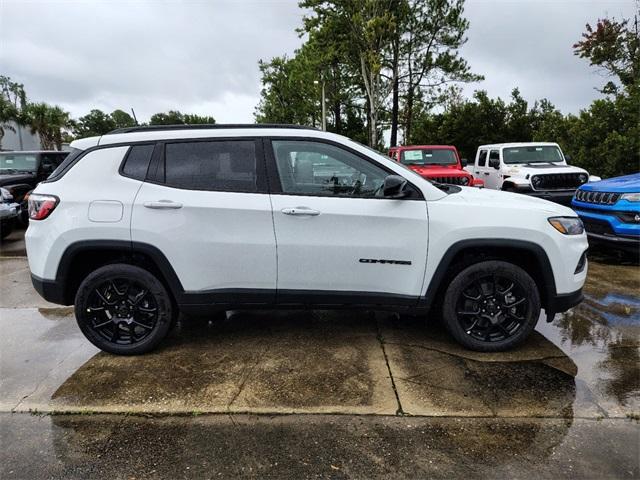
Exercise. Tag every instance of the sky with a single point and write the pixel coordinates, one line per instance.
(202, 56)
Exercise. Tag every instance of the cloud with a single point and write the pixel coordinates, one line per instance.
(202, 56)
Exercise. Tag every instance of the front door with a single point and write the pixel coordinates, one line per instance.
(338, 239)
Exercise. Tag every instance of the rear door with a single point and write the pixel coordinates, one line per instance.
(205, 207)
(339, 240)
(493, 176)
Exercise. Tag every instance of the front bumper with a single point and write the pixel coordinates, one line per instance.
(562, 197)
(561, 302)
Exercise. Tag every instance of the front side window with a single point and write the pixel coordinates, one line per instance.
(312, 168)
(482, 158)
(212, 165)
(532, 154)
(429, 157)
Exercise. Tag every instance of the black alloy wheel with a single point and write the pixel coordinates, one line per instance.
(491, 306)
(123, 309)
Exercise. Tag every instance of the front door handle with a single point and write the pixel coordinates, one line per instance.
(300, 211)
(163, 204)
(486, 173)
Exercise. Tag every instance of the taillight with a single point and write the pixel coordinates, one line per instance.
(41, 206)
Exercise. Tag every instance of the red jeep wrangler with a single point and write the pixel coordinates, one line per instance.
(440, 163)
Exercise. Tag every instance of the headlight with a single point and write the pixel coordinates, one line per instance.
(567, 225)
(535, 180)
(6, 195)
(631, 197)
(583, 177)
(464, 180)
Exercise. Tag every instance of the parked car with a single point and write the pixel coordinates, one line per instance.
(20, 172)
(535, 169)
(610, 211)
(438, 163)
(149, 221)
(9, 213)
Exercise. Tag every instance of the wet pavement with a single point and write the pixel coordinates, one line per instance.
(337, 394)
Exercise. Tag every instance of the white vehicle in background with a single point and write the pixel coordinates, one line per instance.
(538, 169)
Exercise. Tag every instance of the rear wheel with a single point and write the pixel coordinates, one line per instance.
(491, 306)
(123, 309)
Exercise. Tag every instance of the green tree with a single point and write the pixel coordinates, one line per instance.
(13, 100)
(175, 117)
(49, 122)
(95, 123)
(122, 119)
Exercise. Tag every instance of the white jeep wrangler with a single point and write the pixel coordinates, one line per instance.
(536, 169)
(142, 223)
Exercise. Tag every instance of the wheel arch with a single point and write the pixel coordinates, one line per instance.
(81, 258)
(527, 255)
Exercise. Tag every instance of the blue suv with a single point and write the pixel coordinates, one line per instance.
(610, 210)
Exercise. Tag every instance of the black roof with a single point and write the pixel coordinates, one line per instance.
(151, 128)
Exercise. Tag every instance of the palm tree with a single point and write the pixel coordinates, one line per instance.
(8, 113)
(48, 122)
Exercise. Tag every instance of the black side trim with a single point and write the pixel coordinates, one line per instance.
(445, 264)
(337, 298)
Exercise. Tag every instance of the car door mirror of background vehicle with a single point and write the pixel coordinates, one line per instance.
(464, 162)
(495, 163)
(567, 158)
(393, 187)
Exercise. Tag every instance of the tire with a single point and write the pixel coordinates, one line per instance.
(117, 316)
(491, 306)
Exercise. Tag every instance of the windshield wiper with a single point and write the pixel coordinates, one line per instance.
(9, 169)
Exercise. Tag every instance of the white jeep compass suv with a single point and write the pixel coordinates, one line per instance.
(145, 222)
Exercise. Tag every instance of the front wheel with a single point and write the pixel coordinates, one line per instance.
(491, 306)
(123, 309)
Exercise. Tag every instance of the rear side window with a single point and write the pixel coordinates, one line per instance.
(482, 158)
(213, 165)
(494, 155)
(137, 161)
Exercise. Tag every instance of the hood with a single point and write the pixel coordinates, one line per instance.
(625, 184)
(439, 170)
(522, 170)
(14, 179)
(484, 196)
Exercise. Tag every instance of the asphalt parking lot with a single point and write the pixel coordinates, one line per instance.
(315, 393)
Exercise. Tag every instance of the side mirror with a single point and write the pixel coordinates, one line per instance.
(495, 163)
(567, 158)
(393, 186)
(464, 162)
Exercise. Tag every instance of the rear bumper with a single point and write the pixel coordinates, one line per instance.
(50, 290)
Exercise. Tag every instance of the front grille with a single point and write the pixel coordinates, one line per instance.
(451, 180)
(601, 198)
(600, 227)
(556, 181)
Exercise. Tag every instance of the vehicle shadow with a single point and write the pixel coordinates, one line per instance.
(324, 362)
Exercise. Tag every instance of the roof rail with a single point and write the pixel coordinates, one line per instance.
(153, 128)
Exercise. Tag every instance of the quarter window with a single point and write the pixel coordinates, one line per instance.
(216, 165)
(137, 161)
(312, 168)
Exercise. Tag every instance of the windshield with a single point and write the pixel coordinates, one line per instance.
(429, 157)
(18, 162)
(532, 154)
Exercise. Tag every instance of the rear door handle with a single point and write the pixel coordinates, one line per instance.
(163, 205)
(300, 211)
(486, 173)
